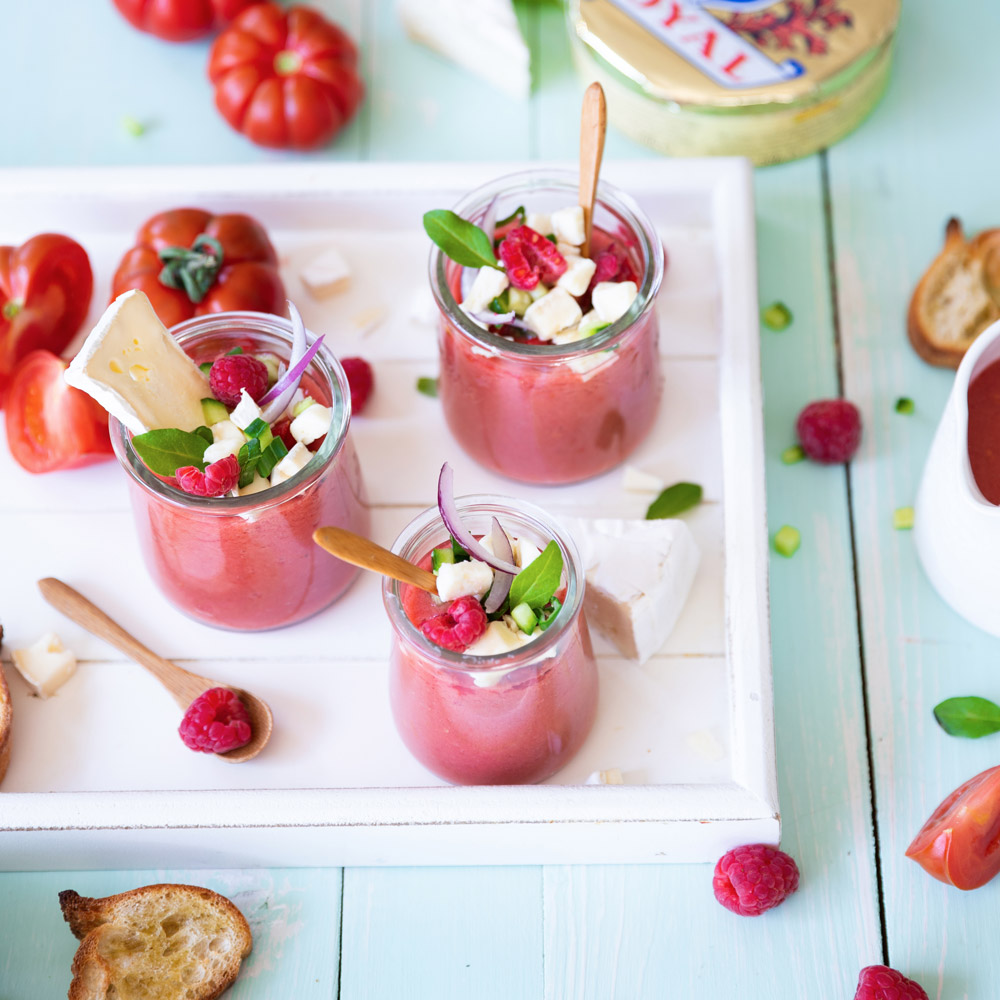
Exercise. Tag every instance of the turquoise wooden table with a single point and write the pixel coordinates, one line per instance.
(863, 648)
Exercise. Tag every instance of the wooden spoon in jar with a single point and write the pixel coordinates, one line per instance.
(593, 127)
(182, 684)
(360, 551)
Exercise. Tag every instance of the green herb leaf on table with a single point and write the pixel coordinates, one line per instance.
(428, 386)
(537, 582)
(969, 717)
(463, 242)
(674, 500)
(168, 449)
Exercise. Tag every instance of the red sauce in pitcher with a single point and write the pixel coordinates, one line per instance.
(984, 431)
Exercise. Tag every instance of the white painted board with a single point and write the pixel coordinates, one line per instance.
(98, 777)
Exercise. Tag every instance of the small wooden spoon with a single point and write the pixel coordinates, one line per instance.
(593, 126)
(182, 684)
(360, 551)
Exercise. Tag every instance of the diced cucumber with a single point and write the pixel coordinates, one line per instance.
(255, 428)
(538, 291)
(518, 300)
(302, 405)
(271, 456)
(526, 618)
(439, 556)
(213, 411)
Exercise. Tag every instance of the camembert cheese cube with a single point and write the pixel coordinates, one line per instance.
(46, 665)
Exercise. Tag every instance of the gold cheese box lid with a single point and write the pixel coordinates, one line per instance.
(796, 58)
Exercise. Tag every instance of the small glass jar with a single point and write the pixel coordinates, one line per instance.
(544, 413)
(511, 718)
(249, 563)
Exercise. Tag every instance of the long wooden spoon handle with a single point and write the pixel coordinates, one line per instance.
(363, 552)
(593, 126)
(184, 686)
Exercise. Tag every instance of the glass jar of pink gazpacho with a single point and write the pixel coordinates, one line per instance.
(249, 563)
(543, 412)
(508, 718)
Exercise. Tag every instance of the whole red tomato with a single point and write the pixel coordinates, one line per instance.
(51, 425)
(285, 78)
(45, 288)
(180, 20)
(959, 843)
(190, 262)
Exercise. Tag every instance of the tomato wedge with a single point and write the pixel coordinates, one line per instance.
(51, 425)
(45, 289)
(960, 843)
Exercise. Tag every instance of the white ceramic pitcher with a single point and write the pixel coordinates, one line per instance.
(957, 529)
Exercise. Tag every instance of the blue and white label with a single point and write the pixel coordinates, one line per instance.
(704, 41)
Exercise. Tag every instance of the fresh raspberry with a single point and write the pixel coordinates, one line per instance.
(529, 258)
(879, 982)
(459, 627)
(217, 479)
(283, 429)
(215, 722)
(361, 379)
(751, 879)
(613, 264)
(233, 372)
(829, 430)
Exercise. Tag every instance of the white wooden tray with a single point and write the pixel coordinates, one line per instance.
(98, 776)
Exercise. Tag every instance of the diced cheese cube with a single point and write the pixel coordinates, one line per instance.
(226, 430)
(326, 274)
(312, 423)
(568, 250)
(456, 580)
(538, 291)
(541, 222)
(552, 313)
(221, 449)
(639, 575)
(297, 459)
(497, 639)
(525, 552)
(612, 776)
(488, 285)
(576, 278)
(136, 370)
(569, 336)
(612, 299)
(637, 481)
(46, 665)
(258, 485)
(245, 412)
(567, 225)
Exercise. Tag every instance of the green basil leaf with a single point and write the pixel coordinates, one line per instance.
(428, 386)
(518, 213)
(546, 618)
(206, 433)
(969, 717)
(168, 449)
(460, 240)
(674, 500)
(537, 582)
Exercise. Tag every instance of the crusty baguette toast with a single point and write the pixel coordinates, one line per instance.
(5, 719)
(957, 298)
(158, 942)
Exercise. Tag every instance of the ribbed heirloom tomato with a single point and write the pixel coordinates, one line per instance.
(285, 78)
(190, 262)
(180, 20)
(960, 842)
(45, 289)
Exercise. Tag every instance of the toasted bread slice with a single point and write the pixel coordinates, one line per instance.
(158, 942)
(957, 298)
(5, 719)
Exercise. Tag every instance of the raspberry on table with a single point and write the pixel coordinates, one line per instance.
(756, 877)
(829, 430)
(217, 479)
(879, 982)
(233, 372)
(361, 379)
(458, 627)
(528, 257)
(215, 722)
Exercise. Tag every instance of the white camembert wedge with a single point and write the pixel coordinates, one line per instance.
(136, 370)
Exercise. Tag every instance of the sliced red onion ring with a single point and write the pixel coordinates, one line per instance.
(288, 383)
(461, 534)
(501, 581)
(489, 225)
(298, 349)
(489, 318)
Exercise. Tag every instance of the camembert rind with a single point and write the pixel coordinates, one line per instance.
(136, 370)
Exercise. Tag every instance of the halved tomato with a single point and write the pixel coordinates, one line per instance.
(51, 425)
(960, 843)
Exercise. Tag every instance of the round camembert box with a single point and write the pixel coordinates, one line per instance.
(771, 81)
